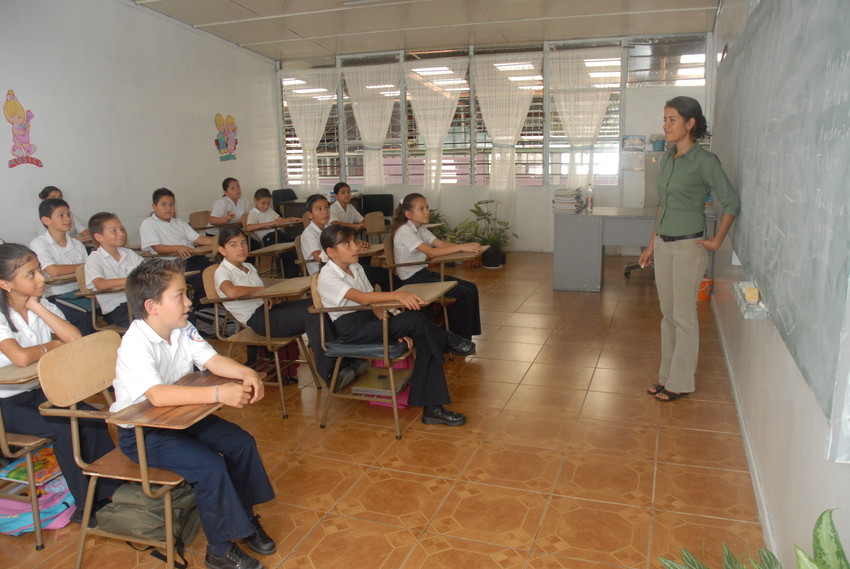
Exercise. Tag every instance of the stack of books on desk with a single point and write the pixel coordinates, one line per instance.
(567, 201)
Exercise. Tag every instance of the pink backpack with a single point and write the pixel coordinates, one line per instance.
(56, 507)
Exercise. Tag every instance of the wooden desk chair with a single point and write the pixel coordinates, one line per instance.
(375, 225)
(389, 255)
(377, 381)
(78, 370)
(248, 337)
(199, 220)
(14, 446)
(92, 295)
(301, 262)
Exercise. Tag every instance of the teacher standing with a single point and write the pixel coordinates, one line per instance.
(687, 174)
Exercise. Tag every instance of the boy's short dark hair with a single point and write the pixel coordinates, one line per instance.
(48, 206)
(161, 193)
(47, 190)
(148, 281)
(97, 220)
(313, 199)
(262, 193)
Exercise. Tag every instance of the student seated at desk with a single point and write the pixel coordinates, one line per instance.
(342, 282)
(28, 324)
(108, 266)
(342, 212)
(318, 210)
(78, 230)
(60, 255)
(218, 458)
(164, 234)
(229, 208)
(235, 277)
(413, 242)
(263, 223)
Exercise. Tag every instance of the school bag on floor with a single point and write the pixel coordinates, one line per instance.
(55, 507)
(132, 513)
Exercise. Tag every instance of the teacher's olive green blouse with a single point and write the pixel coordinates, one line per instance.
(683, 186)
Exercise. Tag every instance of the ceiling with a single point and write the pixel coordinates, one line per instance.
(302, 33)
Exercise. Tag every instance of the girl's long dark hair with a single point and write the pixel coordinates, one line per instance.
(406, 204)
(12, 257)
(227, 233)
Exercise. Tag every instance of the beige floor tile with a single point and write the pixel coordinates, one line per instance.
(442, 552)
(431, 454)
(705, 491)
(607, 478)
(515, 466)
(702, 448)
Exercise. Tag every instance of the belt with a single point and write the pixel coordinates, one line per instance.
(668, 238)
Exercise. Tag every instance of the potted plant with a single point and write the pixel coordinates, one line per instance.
(441, 231)
(464, 232)
(492, 231)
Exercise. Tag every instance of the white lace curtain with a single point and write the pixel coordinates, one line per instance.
(372, 92)
(579, 101)
(433, 88)
(310, 94)
(504, 87)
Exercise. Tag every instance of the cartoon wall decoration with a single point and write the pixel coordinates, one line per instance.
(22, 148)
(225, 140)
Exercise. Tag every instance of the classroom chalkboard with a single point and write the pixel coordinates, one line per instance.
(782, 125)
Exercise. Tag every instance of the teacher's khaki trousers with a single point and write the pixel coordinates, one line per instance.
(679, 269)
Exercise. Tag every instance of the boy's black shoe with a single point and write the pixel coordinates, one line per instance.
(235, 558)
(460, 346)
(259, 541)
(440, 416)
(345, 377)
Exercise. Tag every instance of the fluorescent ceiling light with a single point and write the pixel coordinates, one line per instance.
(514, 66)
(531, 87)
(606, 62)
(604, 74)
(692, 71)
(526, 78)
(387, 86)
(607, 85)
(448, 81)
(690, 82)
(390, 93)
(692, 58)
(456, 89)
(293, 81)
(313, 90)
(432, 70)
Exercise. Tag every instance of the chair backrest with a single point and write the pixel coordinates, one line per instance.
(305, 220)
(375, 222)
(209, 282)
(385, 203)
(245, 222)
(282, 195)
(81, 279)
(199, 219)
(314, 291)
(79, 369)
(301, 264)
(389, 253)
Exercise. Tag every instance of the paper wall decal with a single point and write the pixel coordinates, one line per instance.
(22, 148)
(225, 140)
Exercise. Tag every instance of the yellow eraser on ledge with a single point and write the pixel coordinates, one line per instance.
(751, 293)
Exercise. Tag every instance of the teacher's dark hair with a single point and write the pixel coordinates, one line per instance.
(690, 109)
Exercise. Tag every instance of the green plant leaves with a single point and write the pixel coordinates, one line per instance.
(826, 544)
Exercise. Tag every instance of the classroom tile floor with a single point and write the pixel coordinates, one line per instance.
(565, 462)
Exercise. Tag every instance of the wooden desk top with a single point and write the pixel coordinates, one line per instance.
(454, 257)
(62, 279)
(284, 287)
(371, 250)
(273, 249)
(429, 292)
(433, 225)
(12, 374)
(173, 417)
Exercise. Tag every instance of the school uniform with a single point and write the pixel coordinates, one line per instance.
(428, 381)
(349, 215)
(52, 253)
(224, 205)
(271, 236)
(20, 403)
(464, 314)
(218, 458)
(101, 265)
(310, 241)
(155, 231)
(257, 216)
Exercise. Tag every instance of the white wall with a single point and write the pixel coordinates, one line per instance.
(785, 430)
(124, 101)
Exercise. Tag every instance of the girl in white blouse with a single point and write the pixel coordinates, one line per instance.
(229, 208)
(28, 324)
(412, 242)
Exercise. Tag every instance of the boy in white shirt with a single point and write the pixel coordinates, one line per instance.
(164, 234)
(263, 223)
(342, 212)
(78, 230)
(60, 255)
(108, 266)
(218, 458)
